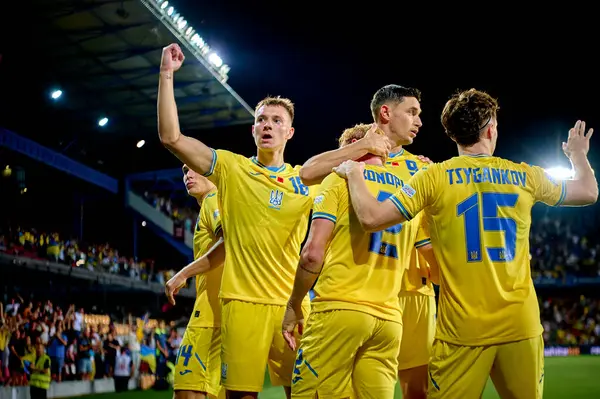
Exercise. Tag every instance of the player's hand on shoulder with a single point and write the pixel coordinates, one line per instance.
(173, 286)
(348, 167)
(578, 141)
(172, 58)
(293, 317)
(376, 142)
(424, 159)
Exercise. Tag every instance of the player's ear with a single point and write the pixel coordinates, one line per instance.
(290, 134)
(384, 113)
(252, 130)
(489, 132)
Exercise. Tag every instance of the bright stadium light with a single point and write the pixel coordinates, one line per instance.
(166, 12)
(102, 121)
(215, 59)
(140, 143)
(561, 173)
(56, 94)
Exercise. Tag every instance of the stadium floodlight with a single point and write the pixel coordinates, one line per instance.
(174, 21)
(56, 94)
(140, 143)
(215, 59)
(102, 121)
(561, 173)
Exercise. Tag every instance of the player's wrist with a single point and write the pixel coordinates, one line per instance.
(363, 146)
(166, 73)
(354, 171)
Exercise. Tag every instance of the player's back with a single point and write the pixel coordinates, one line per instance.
(480, 209)
(362, 271)
(265, 218)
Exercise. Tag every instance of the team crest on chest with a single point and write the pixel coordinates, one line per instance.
(276, 199)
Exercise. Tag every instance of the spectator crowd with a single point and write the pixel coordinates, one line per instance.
(81, 346)
(34, 244)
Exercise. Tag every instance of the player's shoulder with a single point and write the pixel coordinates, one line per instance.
(333, 180)
(211, 200)
(228, 156)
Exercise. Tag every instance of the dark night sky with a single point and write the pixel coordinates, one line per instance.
(331, 61)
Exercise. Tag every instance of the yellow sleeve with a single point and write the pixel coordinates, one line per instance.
(210, 219)
(326, 203)
(423, 237)
(415, 195)
(222, 162)
(545, 188)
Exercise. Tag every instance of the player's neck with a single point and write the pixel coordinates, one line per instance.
(371, 159)
(271, 158)
(201, 197)
(385, 128)
(396, 150)
(476, 149)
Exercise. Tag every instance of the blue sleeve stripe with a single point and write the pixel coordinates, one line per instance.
(563, 193)
(400, 207)
(212, 164)
(324, 215)
(422, 243)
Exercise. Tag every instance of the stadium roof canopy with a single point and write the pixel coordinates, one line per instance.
(104, 56)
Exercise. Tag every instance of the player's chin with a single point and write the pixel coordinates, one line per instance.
(267, 146)
(407, 140)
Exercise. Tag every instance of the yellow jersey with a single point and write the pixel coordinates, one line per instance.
(479, 216)
(362, 271)
(265, 213)
(416, 279)
(207, 308)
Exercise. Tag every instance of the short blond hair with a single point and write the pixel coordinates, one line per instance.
(277, 101)
(356, 132)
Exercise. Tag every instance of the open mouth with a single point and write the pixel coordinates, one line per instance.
(267, 136)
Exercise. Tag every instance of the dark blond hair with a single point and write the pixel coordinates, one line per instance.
(278, 101)
(466, 114)
(356, 132)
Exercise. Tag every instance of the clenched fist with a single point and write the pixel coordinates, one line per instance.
(172, 58)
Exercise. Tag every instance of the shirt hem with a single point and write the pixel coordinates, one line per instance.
(489, 341)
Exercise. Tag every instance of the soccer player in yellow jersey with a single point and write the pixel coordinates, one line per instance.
(396, 112)
(264, 213)
(479, 217)
(353, 333)
(198, 366)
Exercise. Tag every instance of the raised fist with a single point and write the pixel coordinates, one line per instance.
(172, 58)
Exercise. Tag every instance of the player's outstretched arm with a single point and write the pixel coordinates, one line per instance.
(372, 214)
(309, 267)
(210, 260)
(434, 268)
(318, 167)
(583, 189)
(190, 151)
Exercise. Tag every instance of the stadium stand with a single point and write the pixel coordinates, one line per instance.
(83, 274)
(84, 252)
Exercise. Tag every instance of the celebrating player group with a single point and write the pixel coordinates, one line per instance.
(385, 226)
